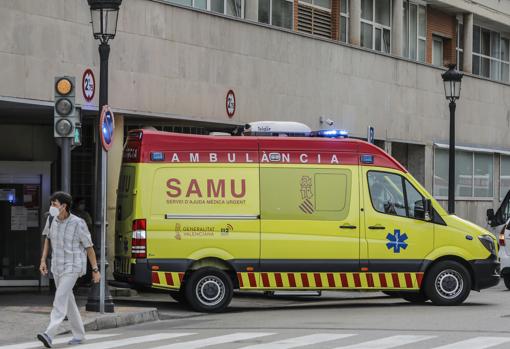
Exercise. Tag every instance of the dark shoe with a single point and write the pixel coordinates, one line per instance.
(45, 339)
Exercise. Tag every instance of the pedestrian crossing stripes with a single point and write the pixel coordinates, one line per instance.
(270, 340)
(388, 342)
(61, 340)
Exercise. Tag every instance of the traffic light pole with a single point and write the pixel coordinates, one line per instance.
(99, 298)
(65, 152)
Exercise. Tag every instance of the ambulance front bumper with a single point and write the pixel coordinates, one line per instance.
(486, 273)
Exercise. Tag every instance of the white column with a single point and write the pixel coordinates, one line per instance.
(397, 27)
(468, 43)
(355, 22)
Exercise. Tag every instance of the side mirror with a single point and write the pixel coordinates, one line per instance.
(427, 208)
(490, 215)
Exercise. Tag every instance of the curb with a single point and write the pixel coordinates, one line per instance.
(122, 319)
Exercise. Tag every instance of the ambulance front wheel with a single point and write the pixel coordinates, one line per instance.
(447, 283)
(209, 290)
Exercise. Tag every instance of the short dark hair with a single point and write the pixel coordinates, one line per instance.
(63, 198)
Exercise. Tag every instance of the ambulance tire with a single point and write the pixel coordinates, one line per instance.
(209, 290)
(506, 280)
(447, 283)
(414, 297)
(179, 297)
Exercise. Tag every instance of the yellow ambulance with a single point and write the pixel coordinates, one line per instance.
(202, 216)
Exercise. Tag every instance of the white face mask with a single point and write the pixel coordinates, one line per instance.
(54, 211)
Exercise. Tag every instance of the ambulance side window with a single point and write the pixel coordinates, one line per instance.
(393, 194)
(387, 193)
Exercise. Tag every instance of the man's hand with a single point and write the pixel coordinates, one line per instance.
(43, 268)
(96, 276)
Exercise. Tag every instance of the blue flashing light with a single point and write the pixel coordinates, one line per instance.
(367, 159)
(157, 156)
(332, 133)
(11, 198)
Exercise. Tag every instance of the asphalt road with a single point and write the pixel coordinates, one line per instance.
(334, 320)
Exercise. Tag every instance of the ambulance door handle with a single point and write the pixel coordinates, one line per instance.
(347, 226)
(376, 227)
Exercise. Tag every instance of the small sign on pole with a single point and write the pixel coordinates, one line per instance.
(106, 127)
(371, 135)
(88, 85)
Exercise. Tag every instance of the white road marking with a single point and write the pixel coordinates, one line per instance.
(387, 342)
(58, 340)
(299, 341)
(477, 342)
(205, 342)
(132, 340)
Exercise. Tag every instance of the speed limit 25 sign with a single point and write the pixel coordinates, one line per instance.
(88, 85)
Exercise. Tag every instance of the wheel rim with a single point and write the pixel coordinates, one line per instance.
(449, 284)
(210, 290)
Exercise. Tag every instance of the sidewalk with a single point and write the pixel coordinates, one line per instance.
(24, 313)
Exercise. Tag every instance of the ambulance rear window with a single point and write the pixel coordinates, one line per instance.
(305, 194)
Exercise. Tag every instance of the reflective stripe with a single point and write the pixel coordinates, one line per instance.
(167, 279)
(266, 280)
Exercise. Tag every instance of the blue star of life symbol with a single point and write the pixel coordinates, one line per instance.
(396, 241)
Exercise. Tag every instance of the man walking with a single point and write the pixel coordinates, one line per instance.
(71, 244)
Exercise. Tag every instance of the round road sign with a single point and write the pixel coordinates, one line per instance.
(88, 85)
(231, 103)
(106, 127)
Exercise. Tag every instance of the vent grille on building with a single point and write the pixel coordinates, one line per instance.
(314, 21)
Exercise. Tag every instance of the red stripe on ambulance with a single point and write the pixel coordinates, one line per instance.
(265, 280)
(357, 281)
(240, 279)
(331, 280)
(382, 280)
(155, 278)
(370, 280)
(304, 280)
(278, 279)
(318, 281)
(396, 281)
(253, 282)
(292, 280)
(343, 278)
(169, 279)
(409, 281)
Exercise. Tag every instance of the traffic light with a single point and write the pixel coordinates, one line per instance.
(66, 117)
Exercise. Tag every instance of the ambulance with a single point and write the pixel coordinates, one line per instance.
(202, 216)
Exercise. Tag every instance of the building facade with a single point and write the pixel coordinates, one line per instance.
(358, 63)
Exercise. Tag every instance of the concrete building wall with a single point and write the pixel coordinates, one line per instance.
(168, 60)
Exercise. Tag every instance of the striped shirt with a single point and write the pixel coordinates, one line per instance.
(69, 238)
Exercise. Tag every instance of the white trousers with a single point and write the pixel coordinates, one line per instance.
(65, 304)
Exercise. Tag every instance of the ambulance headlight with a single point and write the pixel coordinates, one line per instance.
(488, 243)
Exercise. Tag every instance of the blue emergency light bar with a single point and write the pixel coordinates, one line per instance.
(331, 133)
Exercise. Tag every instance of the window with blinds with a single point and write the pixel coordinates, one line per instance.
(314, 20)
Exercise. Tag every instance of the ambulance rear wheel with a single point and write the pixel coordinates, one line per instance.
(414, 297)
(447, 283)
(179, 297)
(209, 290)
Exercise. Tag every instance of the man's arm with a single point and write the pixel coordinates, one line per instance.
(96, 276)
(42, 267)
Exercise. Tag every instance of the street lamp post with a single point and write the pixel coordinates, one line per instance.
(104, 14)
(452, 80)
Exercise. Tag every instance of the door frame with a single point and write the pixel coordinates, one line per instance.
(10, 171)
